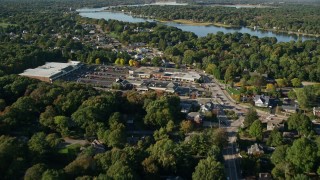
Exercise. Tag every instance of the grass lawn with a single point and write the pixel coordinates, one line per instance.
(71, 149)
(233, 91)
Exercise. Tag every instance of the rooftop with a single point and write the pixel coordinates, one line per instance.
(50, 69)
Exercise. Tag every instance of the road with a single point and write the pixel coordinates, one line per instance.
(230, 153)
(221, 97)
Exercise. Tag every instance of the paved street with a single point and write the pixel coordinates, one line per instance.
(221, 97)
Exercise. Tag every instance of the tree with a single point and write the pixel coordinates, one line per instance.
(150, 166)
(292, 94)
(161, 111)
(219, 137)
(63, 124)
(301, 177)
(35, 172)
(121, 171)
(38, 144)
(186, 126)
(270, 87)
(188, 57)
(156, 61)
(284, 170)
(251, 116)
(296, 82)
(303, 154)
(279, 154)
(2, 104)
(256, 130)
(301, 123)
(210, 69)
(98, 61)
(166, 153)
(131, 62)
(52, 174)
(275, 138)
(115, 136)
(208, 169)
(281, 83)
(10, 151)
(80, 166)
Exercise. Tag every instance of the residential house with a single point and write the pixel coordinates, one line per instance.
(98, 146)
(272, 125)
(195, 116)
(255, 149)
(265, 176)
(171, 87)
(185, 107)
(289, 108)
(261, 101)
(316, 111)
(207, 107)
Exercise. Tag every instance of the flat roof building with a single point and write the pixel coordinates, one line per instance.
(51, 70)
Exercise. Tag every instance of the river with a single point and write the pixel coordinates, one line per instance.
(199, 30)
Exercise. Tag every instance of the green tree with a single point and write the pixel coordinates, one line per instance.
(121, 171)
(161, 111)
(279, 154)
(38, 144)
(281, 83)
(165, 151)
(35, 172)
(2, 104)
(156, 61)
(98, 61)
(250, 117)
(150, 167)
(303, 154)
(209, 169)
(256, 130)
(10, 151)
(186, 126)
(52, 174)
(296, 82)
(81, 166)
(301, 123)
(301, 177)
(275, 138)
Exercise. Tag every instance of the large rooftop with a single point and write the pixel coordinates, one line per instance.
(50, 69)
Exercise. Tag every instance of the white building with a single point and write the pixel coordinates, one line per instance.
(52, 70)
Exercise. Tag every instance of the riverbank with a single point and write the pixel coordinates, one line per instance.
(285, 32)
(194, 23)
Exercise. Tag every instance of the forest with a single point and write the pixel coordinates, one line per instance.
(37, 119)
(284, 18)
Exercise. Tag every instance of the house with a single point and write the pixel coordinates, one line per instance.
(289, 108)
(289, 134)
(255, 149)
(265, 176)
(261, 101)
(195, 116)
(207, 107)
(185, 107)
(316, 111)
(272, 125)
(98, 146)
(171, 87)
(124, 84)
